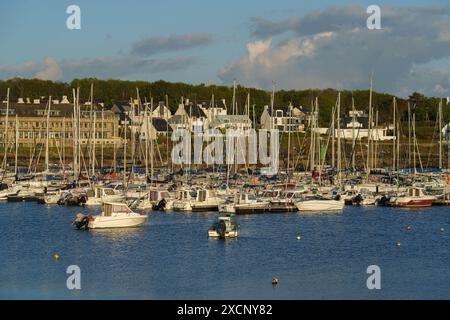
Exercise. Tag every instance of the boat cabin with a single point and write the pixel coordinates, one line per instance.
(113, 209)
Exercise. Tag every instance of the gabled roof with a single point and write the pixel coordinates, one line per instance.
(161, 125)
(194, 111)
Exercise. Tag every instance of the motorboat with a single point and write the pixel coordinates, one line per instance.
(199, 200)
(100, 195)
(286, 201)
(248, 203)
(224, 228)
(114, 215)
(414, 198)
(320, 204)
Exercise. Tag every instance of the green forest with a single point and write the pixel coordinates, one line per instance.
(110, 91)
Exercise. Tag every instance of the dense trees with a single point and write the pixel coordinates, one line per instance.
(109, 91)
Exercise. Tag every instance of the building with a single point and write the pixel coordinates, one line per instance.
(356, 125)
(285, 119)
(188, 116)
(31, 119)
(231, 122)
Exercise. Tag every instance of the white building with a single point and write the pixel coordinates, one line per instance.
(285, 119)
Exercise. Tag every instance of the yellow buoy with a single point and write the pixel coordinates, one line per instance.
(274, 281)
(56, 256)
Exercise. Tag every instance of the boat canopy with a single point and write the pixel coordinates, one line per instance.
(110, 208)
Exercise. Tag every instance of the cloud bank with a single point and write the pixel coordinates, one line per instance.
(333, 48)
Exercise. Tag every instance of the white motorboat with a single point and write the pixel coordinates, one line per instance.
(200, 200)
(248, 203)
(320, 204)
(224, 228)
(114, 215)
(98, 196)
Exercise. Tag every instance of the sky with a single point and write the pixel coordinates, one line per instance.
(291, 44)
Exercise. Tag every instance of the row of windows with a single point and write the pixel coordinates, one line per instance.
(43, 124)
(58, 135)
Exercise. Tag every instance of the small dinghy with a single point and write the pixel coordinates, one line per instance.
(224, 228)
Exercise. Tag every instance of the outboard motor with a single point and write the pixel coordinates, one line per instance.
(221, 229)
(160, 206)
(81, 221)
(357, 200)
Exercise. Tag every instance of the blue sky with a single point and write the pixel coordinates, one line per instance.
(296, 44)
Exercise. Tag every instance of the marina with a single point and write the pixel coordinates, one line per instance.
(171, 257)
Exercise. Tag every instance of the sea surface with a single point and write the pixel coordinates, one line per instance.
(171, 256)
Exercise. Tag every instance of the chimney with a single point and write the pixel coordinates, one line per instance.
(20, 100)
(28, 101)
(36, 101)
(65, 100)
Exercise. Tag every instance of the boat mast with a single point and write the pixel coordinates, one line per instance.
(289, 140)
(339, 140)
(377, 137)
(440, 134)
(102, 136)
(47, 134)
(353, 133)
(369, 132)
(151, 141)
(17, 145)
(93, 118)
(409, 135)
(5, 149)
(394, 103)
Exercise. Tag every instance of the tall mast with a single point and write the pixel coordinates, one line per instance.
(369, 133)
(414, 141)
(5, 149)
(94, 142)
(333, 130)
(47, 134)
(151, 141)
(395, 134)
(103, 130)
(440, 134)
(338, 120)
(377, 137)
(353, 133)
(409, 135)
(17, 144)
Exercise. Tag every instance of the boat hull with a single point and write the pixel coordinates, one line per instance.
(320, 205)
(116, 222)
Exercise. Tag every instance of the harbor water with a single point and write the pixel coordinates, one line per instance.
(171, 257)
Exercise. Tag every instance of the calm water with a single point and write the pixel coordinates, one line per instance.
(172, 258)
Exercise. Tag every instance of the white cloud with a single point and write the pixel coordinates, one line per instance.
(52, 70)
(333, 48)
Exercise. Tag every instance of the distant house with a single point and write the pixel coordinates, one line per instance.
(285, 119)
(159, 111)
(158, 127)
(188, 116)
(122, 109)
(356, 124)
(231, 122)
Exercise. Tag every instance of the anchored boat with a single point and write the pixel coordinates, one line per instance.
(224, 228)
(114, 215)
